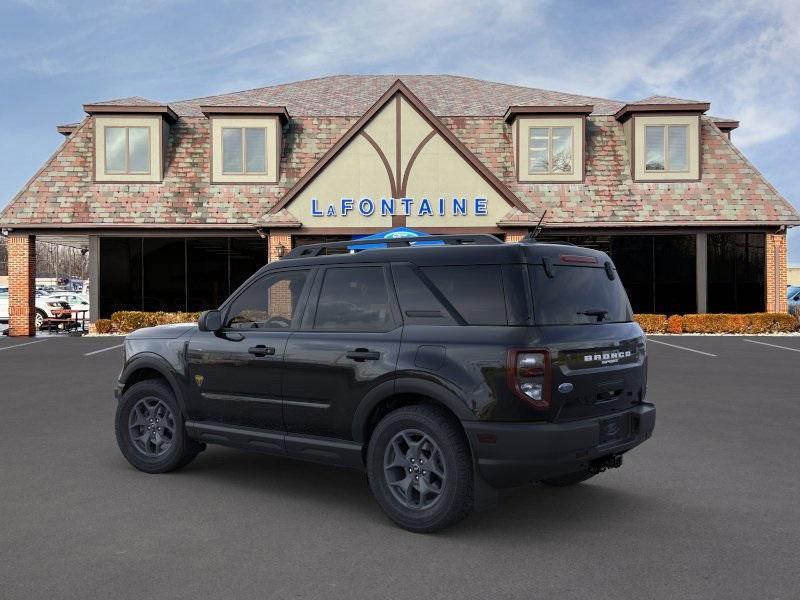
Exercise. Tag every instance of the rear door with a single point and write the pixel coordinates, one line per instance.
(347, 345)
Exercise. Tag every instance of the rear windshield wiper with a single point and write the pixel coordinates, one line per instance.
(594, 312)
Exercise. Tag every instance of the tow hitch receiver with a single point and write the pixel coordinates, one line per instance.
(607, 462)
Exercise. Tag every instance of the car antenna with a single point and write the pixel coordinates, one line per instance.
(531, 237)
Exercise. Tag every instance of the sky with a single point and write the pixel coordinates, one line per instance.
(739, 55)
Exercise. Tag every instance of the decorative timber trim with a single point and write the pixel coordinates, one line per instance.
(398, 183)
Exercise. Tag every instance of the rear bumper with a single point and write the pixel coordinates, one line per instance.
(510, 454)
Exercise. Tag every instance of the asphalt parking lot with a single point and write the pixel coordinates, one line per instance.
(708, 508)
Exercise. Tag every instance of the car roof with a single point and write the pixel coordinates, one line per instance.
(444, 255)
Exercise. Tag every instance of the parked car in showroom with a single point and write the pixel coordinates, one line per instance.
(442, 371)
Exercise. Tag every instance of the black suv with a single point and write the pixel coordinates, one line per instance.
(445, 367)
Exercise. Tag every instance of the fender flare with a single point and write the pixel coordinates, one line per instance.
(406, 385)
(149, 360)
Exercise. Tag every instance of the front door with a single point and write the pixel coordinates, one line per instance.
(236, 374)
(348, 344)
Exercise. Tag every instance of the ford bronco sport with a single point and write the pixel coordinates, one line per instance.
(444, 369)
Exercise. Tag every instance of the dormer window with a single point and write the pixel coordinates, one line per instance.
(129, 140)
(666, 148)
(127, 150)
(548, 142)
(663, 138)
(245, 143)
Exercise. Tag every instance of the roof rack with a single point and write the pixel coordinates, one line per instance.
(312, 250)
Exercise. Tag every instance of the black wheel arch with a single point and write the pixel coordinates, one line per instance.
(403, 392)
(152, 366)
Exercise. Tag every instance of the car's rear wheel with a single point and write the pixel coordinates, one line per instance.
(39, 318)
(569, 478)
(150, 431)
(420, 468)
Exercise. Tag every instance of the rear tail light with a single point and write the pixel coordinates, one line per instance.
(529, 376)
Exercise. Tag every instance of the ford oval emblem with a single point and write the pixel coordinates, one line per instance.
(565, 388)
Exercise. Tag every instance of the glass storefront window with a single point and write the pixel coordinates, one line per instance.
(658, 271)
(120, 274)
(174, 274)
(736, 272)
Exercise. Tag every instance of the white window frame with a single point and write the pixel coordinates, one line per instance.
(272, 155)
(244, 171)
(520, 133)
(158, 133)
(665, 148)
(550, 170)
(635, 135)
(127, 129)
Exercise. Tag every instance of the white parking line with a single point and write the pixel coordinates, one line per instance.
(681, 347)
(771, 345)
(20, 345)
(103, 350)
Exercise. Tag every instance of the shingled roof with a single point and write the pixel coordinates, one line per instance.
(731, 191)
(352, 95)
(131, 101)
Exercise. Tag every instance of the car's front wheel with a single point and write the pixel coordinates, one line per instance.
(150, 431)
(420, 468)
(39, 318)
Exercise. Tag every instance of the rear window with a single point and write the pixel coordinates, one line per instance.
(578, 295)
(475, 291)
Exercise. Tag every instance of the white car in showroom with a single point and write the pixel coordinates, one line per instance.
(47, 307)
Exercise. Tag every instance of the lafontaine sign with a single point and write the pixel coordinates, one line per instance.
(422, 207)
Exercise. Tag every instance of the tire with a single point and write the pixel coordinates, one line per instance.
(447, 482)
(39, 318)
(569, 479)
(162, 450)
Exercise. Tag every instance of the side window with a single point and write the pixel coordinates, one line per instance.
(476, 292)
(417, 302)
(269, 303)
(353, 299)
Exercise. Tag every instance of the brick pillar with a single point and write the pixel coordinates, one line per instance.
(515, 235)
(278, 237)
(775, 273)
(21, 284)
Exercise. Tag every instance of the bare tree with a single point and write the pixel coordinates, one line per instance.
(52, 260)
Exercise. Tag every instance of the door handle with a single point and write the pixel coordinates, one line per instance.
(362, 354)
(261, 350)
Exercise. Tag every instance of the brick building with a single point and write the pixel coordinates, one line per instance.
(178, 203)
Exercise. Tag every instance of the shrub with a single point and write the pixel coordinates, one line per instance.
(103, 326)
(126, 321)
(747, 323)
(675, 324)
(652, 323)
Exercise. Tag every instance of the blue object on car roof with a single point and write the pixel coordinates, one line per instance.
(392, 234)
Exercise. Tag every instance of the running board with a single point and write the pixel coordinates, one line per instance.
(313, 448)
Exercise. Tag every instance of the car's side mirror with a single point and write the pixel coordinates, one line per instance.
(210, 320)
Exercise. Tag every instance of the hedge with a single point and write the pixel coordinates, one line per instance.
(103, 326)
(719, 323)
(125, 321)
(652, 323)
